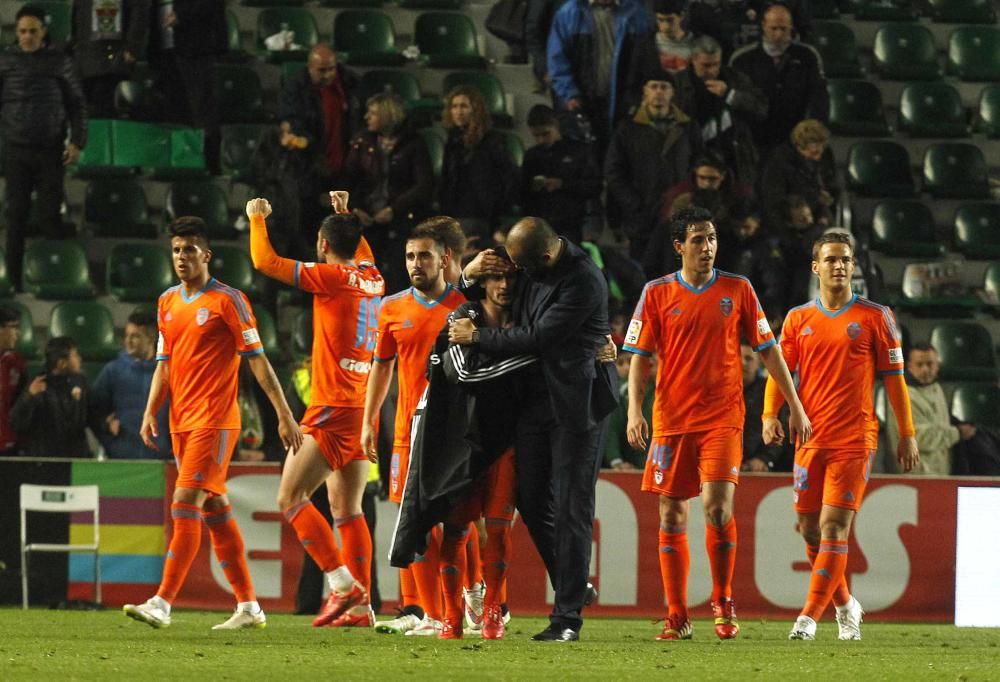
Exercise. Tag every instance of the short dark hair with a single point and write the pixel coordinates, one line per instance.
(31, 11)
(58, 348)
(541, 115)
(342, 231)
(685, 218)
(425, 230)
(189, 226)
(922, 346)
(710, 159)
(831, 238)
(9, 315)
(143, 318)
(451, 233)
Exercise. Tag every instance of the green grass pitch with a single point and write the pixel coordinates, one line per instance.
(62, 646)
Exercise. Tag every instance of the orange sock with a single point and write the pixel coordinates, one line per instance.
(473, 562)
(495, 561)
(227, 541)
(407, 588)
(842, 594)
(453, 566)
(675, 563)
(828, 572)
(357, 548)
(315, 534)
(721, 546)
(427, 575)
(183, 549)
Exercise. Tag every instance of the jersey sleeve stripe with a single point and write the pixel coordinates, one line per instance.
(637, 351)
(375, 358)
(890, 372)
(237, 299)
(162, 357)
(255, 351)
(298, 268)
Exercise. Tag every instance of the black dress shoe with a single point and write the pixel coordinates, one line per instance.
(590, 596)
(554, 633)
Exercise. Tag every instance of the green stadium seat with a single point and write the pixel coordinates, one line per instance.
(6, 286)
(966, 351)
(116, 207)
(974, 53)
(402, 83)
(57, 269)
(272, 3)
(431, 4)
(489, 86)
(435, 147)
(824, 9)
(89, 324)
(268, 332)
(962, 11)
(366, 37)
(856, 108)
(239, 144)
(977, 230)
(988, 111)
(205, 200)
(932, 110)
(240, 94)
(371, 4)
(903, 227)
(905, 52)
(448, 40)
(302, 334)
(884, 10)
(138, 272)
(991, 286)
(298, 20)
(232, 265)
(879, 168)
(27, 344)
(837, 46)
(233, 39)
(58, 18)
(97, 158)
(955, 170)
(515, 147)
(977, 404)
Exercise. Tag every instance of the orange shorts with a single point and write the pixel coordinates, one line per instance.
(337, 431)
(203, 458)
(830, 477)
(399, 467)
(492, 495)
(678, 465)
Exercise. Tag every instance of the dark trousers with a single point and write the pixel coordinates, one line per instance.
(100, 94)
(556, 479)
(188, 83)
(28, 169)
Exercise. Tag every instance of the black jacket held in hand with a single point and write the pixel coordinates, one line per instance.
(40, 97)
(52, 423)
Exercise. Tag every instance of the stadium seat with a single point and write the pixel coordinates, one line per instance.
(302, 334)
(435, 147)
(89, 324)
(491, 89)
(138, 272)
(883, 10)
(988, 111)
(272, 3)
(932, 110)
(203, 199)
(268, 332)
(233, 39)
(371, 4)
(991, 286)
(824, 9)
(515, 147)
(136, 98)
(97, 158)
(977, 404)
(6, 286)
(57, 269)
(240, 94)
(966, 351)
(447, 40)
(977, 230)
(366, 37)
(117, 208)
(232, 265)
(27, 345)
(879, 168)
(974, 53)
(962, 11)
(905, 52)
(239, 144)
(402, 83)
(955, 170)
(58, 18)
(298, 20)
(431, 4)
(903, 227)
(856, 108)
(836, 45)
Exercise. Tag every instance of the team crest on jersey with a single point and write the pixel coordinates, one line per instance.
(853, 330)
(201, 317)
(726, 306)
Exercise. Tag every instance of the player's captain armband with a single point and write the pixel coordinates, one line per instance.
(159, 344)
(250, 336)
(632, 335)
(895, 356)
(763, 328)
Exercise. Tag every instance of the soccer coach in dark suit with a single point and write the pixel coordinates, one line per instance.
(560, 315)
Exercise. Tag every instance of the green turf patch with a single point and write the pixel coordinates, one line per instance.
(59, 645)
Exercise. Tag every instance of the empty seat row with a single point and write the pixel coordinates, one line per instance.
(881, 168)
(905, 227)
(409, 4)
(945, 11)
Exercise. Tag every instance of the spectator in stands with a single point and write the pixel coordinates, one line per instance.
(618, 453)
(590, 48)
(725, 104)
(978, 451)
(108, 39)
(478, 178)
(51, 417)
(732, 23)
(758, 256)
(558, 176)
(648, 154)
(537, 25)
(757, 456)
(391, 180)
(42, 100)
(12, 376)
(121, 390)
(669, 48)
(187, 40)
(797, 231)
(803, 166)
(790, 74)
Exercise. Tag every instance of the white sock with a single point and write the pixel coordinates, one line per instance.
(340, 579)
(160, 603)
(846, 607)
(249, 606)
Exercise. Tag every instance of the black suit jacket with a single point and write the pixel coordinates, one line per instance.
(562, 317)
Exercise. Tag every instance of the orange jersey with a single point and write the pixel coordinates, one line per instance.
(837, 355)
(202, 339)
(695, 335)
(407, 329)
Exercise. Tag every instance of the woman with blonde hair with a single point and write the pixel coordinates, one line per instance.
(803, 166)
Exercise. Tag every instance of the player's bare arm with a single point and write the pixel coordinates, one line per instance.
(288, 428)
(378, 387)
(907, 451)
(799, 426)
(637, 428)
(158, 392)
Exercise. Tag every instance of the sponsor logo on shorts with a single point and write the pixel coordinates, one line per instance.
(201, 317)
(632, 335)
(394, 472)
(895, 356)
(853, 330)
(800, 478)
(658, 476)
(726, 306)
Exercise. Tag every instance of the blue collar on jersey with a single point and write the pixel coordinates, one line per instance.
(693, 290)
(211, 280)
(430, 304)
(834, 313)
